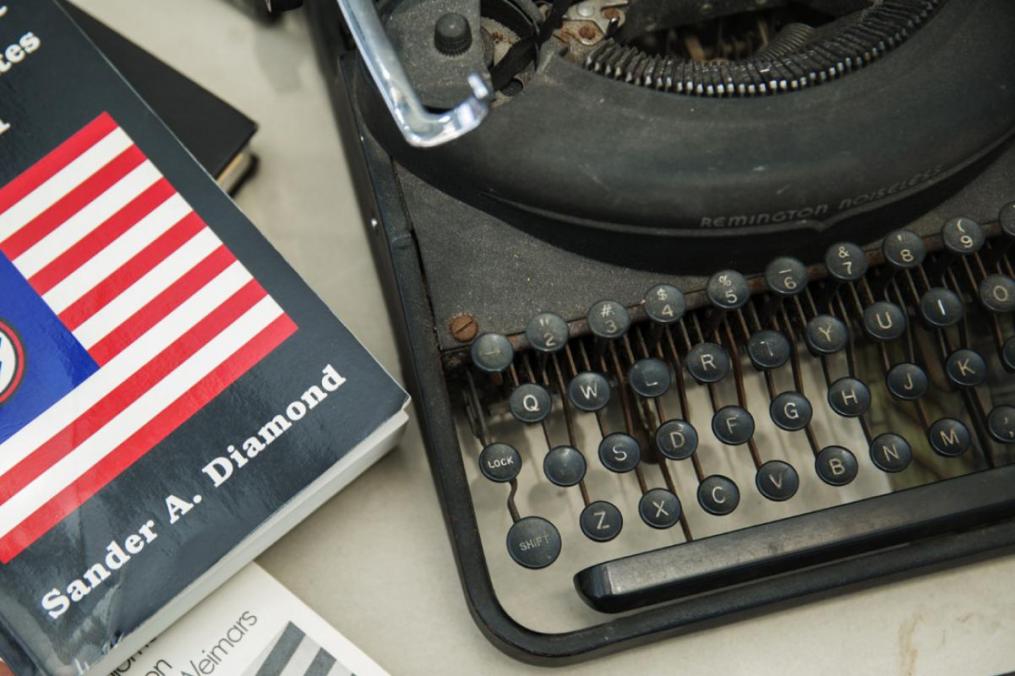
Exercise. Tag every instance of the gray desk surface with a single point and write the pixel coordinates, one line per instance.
(375, 561)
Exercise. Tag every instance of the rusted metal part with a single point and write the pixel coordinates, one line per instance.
(463, 327)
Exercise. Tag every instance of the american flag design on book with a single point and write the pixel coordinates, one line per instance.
(122, 314)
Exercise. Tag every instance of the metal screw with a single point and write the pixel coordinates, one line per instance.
(463, 327)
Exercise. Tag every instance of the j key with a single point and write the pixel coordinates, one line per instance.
(777, 480)
(589, 391)
(997, 293)
(665, 304)
(1001, 424)
(649, 378)
(601, 521)
(564, 466)
(891, 453)
(949, 437)
(941, 308)
(733, 425)
(530, 403)
(826, 334)
(849, 397)
(966, 368)
(962, 236)
(533, 542)
(619, 452)
(718, 495)
(500, 462)
(492, 353)
(659, 508)
(726, 290)
(677, 439)
(907, 381)
(786, 276)
(608, 320)
(708, 362)
(846, 262)
(903, 249)
(884, 321)
(547, 333)
(768, 350)
(836, 466)
(791, 411)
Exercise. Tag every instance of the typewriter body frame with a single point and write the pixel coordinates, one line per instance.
(424, 361)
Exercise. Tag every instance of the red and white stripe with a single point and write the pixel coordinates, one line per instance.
(164, 308)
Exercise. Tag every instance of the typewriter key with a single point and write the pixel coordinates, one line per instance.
(727, 290)
(733, 425)
(907, 381)
(665, 304)
(564, 466)
(791, 411)
(849, 397)
(949, 437)
(589, 391)
(962, 236)
(601, 521)
(890, 452)
(619, 452)
(846, 262)
(547, 333)
(997, 293)
(768, 350)
(718, 495)
(500, 462)
(492, 353)
(659, 508)
(966, 368)
(530, 403)
(903, 249)
(884, 321)
(826, 334)
(1008, 354)
(941, 308)
(533, 542)
(1001, 423)
(777, 480)
(786, 276)
(649, 378)
(677, 439)
(708, 362)
(836, 465)
(608, 320)
(1006, 217)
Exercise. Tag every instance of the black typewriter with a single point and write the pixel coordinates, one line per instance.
(707, 305)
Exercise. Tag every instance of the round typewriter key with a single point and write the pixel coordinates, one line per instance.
(949, 437)
(718, 495)
(891, 453)
(500, 462)
(547, 332)
(649, 378)
(677, 439)
(1006, 217)
(846, 262)
(962, 236)
(608, 319)
(530, 403)
(564, 466)
(1008, 354)
(849, 397)
(1001, 424)
(665, 304)
(533, 542)
(768, 349)
(884, 321)
(777, 480)
(708, 362)
(619, 452)
(907, 381)
(941, 308)
(727, 290)
(966, 368)
(997, 293)
(791, 411)
(903, 249)
(732, 425)
(601, 521)
(492, 353)
(836, 465)
(589, 391)
(826, 334)
(786, 276)
(659, 508)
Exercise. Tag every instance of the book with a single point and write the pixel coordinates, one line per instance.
(173, 398)
(251, 626)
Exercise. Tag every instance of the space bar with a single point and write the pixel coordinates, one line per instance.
(798, 542)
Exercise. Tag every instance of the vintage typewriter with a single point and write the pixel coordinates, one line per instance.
(707, 305)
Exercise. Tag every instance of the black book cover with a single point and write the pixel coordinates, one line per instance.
(167, 382)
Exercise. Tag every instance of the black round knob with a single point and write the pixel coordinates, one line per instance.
(452, 34)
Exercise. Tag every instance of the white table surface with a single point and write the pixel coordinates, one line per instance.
(375, 561)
